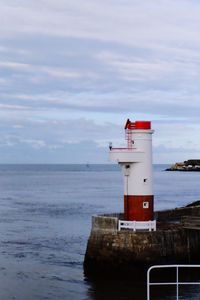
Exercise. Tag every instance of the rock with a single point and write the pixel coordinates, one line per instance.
(188, 165)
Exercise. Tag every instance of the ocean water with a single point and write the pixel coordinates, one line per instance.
(45, 221)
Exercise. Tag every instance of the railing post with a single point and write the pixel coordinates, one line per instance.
(148, 285)
(177, 283)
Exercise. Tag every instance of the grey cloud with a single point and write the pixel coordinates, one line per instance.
(107, 82)
(59, 58)
(167, 154)
(49, 71)
(56, 133)
(179, 150)
(82, 152)
(156, 102)
(157, 29)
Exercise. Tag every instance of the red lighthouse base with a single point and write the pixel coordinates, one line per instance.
(138, 208)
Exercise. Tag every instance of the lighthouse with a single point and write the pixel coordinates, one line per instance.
(136, 164)
(120, 242)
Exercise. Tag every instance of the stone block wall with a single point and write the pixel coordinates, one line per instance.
(108, 249)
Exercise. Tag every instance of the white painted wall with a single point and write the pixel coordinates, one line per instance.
(138, 178)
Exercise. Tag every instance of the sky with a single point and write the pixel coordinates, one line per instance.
(72, 72)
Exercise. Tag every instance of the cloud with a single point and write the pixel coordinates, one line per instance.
(37, 152)
(56, 133)
(155, 102)
(13, 107)
(168, 154)
(135, 22)
(72, 72)
(50, 71)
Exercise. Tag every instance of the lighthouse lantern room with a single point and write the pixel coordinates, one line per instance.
(136, 163)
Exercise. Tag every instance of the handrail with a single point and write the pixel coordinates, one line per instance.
(122, 148)
(177, 283)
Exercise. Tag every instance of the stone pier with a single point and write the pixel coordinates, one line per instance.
(110, 250)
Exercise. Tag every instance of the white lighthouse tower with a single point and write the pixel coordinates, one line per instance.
(136, 163)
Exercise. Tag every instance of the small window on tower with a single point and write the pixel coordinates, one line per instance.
(127, 169)
(145, 180)
(145, 204)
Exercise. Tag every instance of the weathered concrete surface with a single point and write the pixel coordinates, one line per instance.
(177, 213)
(124, 250)
(105, 223)
(111, 250)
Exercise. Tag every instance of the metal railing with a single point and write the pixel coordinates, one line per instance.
(121, 149)
(137, 225)
(176, 283)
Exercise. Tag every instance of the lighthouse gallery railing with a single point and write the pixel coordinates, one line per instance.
(176, 283)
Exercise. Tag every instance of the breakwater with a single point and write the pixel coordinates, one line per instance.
(111, 250)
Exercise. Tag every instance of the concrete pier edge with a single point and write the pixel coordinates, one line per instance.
(112, 251)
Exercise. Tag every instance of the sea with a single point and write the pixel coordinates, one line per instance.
(45, 222)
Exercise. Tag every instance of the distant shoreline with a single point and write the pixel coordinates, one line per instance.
(191, 165)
